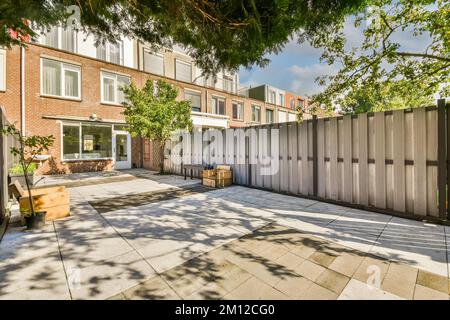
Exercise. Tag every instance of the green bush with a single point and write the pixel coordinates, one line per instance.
(17, 169)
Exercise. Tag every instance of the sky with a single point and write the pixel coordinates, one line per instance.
(298, 65)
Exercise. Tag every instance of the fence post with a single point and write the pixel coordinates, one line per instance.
(443, 159)
(314, 156)
(3, 168)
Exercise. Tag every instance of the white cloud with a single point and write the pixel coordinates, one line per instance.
(303, 78)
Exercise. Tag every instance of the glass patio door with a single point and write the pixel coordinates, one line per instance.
(122, 150)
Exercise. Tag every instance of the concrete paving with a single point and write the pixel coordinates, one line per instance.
(131, 252)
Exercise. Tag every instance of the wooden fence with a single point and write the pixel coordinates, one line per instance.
(392, 161)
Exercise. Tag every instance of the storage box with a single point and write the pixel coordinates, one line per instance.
(218, 178)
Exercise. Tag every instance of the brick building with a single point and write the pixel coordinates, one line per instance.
(65, 86)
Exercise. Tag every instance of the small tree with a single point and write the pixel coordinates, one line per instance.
(154, 113)
(29, 147)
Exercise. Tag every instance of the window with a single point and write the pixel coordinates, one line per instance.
(183, 71)
(111, 85)
(269, 116)
(281, 99)
(86, 141)
(2, 70)
(111, 52)
(195, 98)
(218, 105)
(292, 103)
(256, 113)
(60, 79)
(292, 117)
(153, 63)
(238, 111)
(300, 103)
(272, 97)
(228, 84)
(61, 38)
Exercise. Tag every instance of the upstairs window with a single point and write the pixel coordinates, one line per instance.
(281, 99)
(238, 111)
(292, 103)
(60, 79)
(153, 63)
(256, 113)
(218, 105)
(111, 52)
(269, 116)
(61, 38)
(183, 71)
(2, 70)
(195, 98)
(300, 103)
(111, 84)
(272, 97)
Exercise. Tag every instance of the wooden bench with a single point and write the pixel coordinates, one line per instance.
(191, 167)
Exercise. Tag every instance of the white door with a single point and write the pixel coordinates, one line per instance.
(122, 150)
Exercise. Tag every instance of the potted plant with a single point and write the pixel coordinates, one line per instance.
(16, 173)
(27, 149)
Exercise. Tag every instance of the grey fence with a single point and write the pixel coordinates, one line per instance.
(6, 162)
(392, 161)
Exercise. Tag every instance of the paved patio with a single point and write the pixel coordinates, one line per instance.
(134, 234)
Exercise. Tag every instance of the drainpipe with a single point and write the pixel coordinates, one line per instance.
(22, 90)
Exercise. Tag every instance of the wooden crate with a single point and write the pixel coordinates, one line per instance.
(55, 201)
(217, 183)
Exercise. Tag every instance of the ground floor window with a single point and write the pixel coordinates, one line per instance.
(86, 141)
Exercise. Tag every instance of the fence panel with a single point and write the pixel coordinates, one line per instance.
(383, 160)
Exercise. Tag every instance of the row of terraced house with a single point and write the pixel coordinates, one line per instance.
(64, 85)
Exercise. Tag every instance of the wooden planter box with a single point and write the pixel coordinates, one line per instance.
(55, 201)
(218, 178)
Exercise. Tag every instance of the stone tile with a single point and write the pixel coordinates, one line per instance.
(294, 287)
(346, 264)
(302, 250)
(185, 279)
(268, 271)
(255, 289)
(232, 279)
(426, 293)
(372, 266)
(211, 291)
(153, 289)
(400, 280)
(273, 252)
(316, 292)
(309, 270)
(332, 280)
(100, 281)
(357, 290)
(433, 281)
(119, 296)
(322, 258)
(289, 260)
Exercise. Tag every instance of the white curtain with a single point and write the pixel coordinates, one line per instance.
(121, 81)
(183, 71)
(101, 52)
(68, 39)
(114, 53)
(108, 90)
(51, 37)
(51, 77)
(153, 63)
(71, 83)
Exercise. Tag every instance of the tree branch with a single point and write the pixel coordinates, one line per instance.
(422, 55)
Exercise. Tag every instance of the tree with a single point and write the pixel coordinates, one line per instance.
(381, 60)
(154, 113)
(389, 96)
(29, 147)
(218, 34)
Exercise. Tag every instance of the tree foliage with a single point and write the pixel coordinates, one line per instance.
(154, 113)
(218, 34)
(377, 65)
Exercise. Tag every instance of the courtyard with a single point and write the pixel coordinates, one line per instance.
(136, 235)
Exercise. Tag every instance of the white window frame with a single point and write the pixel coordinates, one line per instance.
(80, 135)
(3, 62)
(155, 54)
(64, 66)
(241, 114)
(182, 62)
(194, 92)
(273, 115)
(113, 76)
(217, 98)
(59, 46)
(108, 52)
(259, 108)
